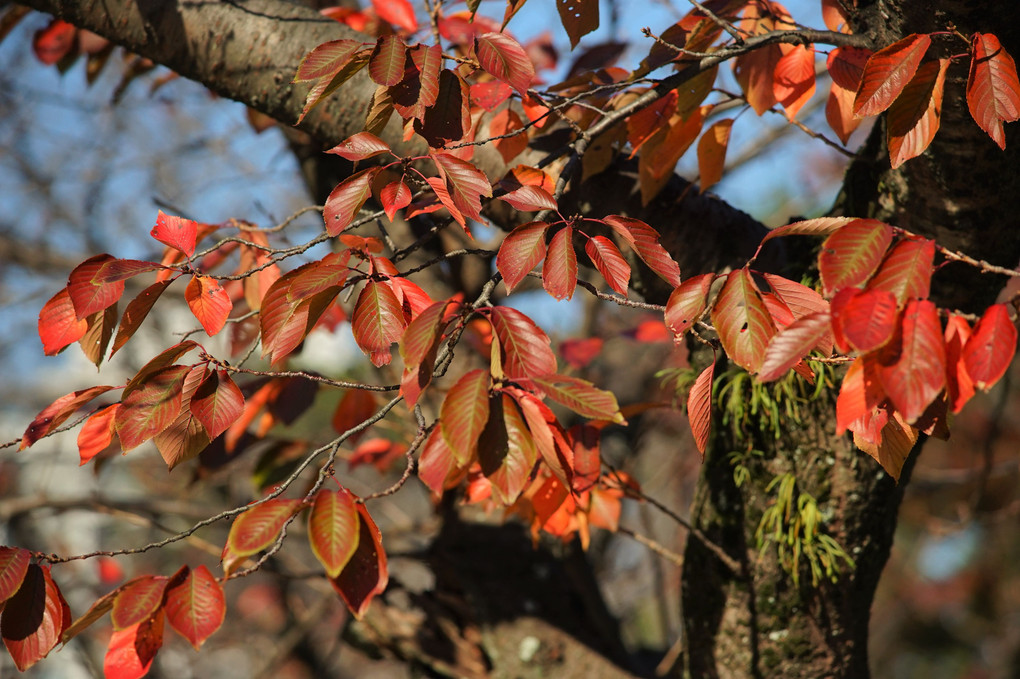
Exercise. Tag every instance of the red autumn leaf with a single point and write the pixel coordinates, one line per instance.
(443, 194)
(712, 152)
(256, 529)
(175, 232)
(185, 437)
(436, 463)
(13, 567)
(96, 434)
(993, 89)
(366, 574)
(821, 226)
(508, 124)
(607, 258)
(791, 344)
(98, 333)
(582, 397)
(647, 122)
(217, 403)
(464, 413)
(418, 347)
(839, 112)
(644, 240)
(34, 618)
(345, 201)
(87, 295)
(329, 84)
(918, 374)
(559, 273)
(394, 196)
(354, 407)
(506, 450)
(852, 254)
(386, 65)
(833, 16)
(578, 353)
(489, 95)
(521, 251)
(913, 119)
(959, 385)
(131, 651)
(165, 358)
(846, 66)
(742, 321)
(361, 146)
(799, 299)
(378, 321)
(418, 90)
(136, 311)
(55, 414)
(990, 349)
(465, 183)
(579, 18)
(503, 57)
(326, 60)
(530, 199)
(659, 158)
(137, 601)
(687, 303)
(196, 607)
(887, 72)
(151, 407)
(699, 408)
(209, 302)
(906, 270)
(59, 326)
(53, 43)
(859, 395)
(285, 318)
(794, 79)
(122, 269)
(400, 13)
(869, 319)
(526, 348)
(333, 529)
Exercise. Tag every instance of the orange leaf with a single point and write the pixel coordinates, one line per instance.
(913, 119)
(464, 412)
(712, 152)
(175, 232)
(196, 607)
(55, 414)
(132, 650)
(378, 321)
(59, 326)
(687, 303)
(97, 433)
(887, 72)
(507, 122)
(333, 529)
(151, 407)
(138, 601)
(794, 79)
(699, 408)
(209, 302)
(852, 254)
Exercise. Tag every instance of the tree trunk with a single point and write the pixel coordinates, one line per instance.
(964, 192)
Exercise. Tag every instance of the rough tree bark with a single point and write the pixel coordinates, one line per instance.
(964, 191)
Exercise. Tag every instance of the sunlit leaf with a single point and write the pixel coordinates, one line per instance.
(607, 258)
(34, 618)
(699, 408)
(217, 403)
(151, 407)
(13, 567)
(88, 295)
(906, 270)
(132, 650)
(196, 607)
(869, 319)
(712, 152)
(687, 303)
(366, 574)
(137, 601)
(400, 13)
(96, 434)
(582, 397)
(59, 326)
(887, 72)
(913, 119)
(852, 254)
(794, 79)
(559, 273)
(991, 346)
(333, 529)
(257, 528)
(346, 200)
(175, 232)
(526, 348)
(362, 145)
(55, 414)
(742, 321)
(791, 344)
(386, 65)
(521, 251)
(378, 321)
(918, 374)
(209, 302)
(464, 413)
(993, 89)
(645, 242)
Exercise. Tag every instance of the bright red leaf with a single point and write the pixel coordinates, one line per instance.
(791, 344)
(400, 13)
(196, 607)
(913, 119)
(131, 651)
(53, 43)
(55, 414)
(217, 403)
(502, 56)
(96, 434)
(209, 302)
(645, 242)
(578, 353)
(990, 349)
(394, 196)
(607, 258)
(918, 374)
(887, 72)
(256, 529)
(508, 125)
(362, 145)
(852, 254)
(87, 295)
(869, 319)
(959, 385)
(137, 601)
(346, 200)
(687, 303)
(993, 89)
(59, 326)
(151, 407)
(906, 270)
(175, 232)
(436, 463)
(378, 321)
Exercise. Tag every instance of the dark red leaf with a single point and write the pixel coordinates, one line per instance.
(993, 89)
(386, 65)
(55, 414)
(506, 450)
(87, 295)
(559, 273)
(579, 18)
(136, 311)
(34, 618)
(887, 72)
(869, 320)
(449, 118)
(366, 574)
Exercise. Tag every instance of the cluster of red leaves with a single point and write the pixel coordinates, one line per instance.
(36, 618)
(909, 371)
